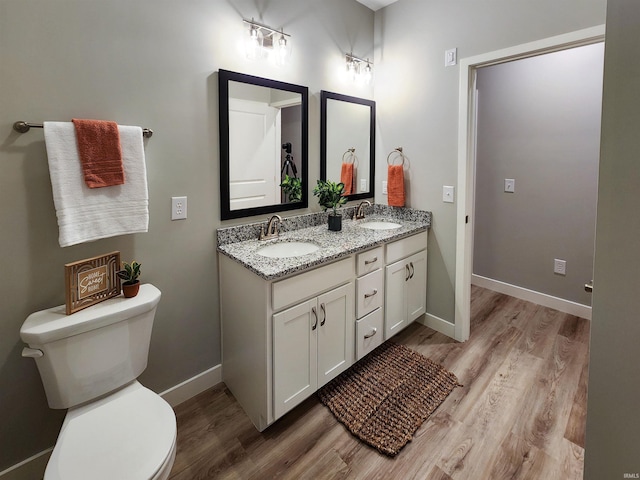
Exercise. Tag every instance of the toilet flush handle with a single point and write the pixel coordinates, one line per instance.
(31, 352)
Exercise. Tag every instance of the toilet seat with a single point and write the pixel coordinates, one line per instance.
(129, 434)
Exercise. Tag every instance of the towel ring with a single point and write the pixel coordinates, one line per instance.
(352, 156)
(397, 151)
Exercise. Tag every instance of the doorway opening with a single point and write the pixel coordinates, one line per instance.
(467, 143)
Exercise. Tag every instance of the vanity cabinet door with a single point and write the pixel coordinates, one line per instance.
(395, 300)
(417, 286)
(336, 330)
(405, 292)
(295, 354)
(312, 343)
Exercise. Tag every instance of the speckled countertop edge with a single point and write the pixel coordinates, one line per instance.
(313, 228)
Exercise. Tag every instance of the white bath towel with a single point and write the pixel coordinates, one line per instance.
(86, 214)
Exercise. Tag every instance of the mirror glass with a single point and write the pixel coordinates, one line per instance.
(263, 145)
(348, 143)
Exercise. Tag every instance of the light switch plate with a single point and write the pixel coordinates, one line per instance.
(448, 193)
(384, 187)
(509, 185)
(363, 184)
(450, 57)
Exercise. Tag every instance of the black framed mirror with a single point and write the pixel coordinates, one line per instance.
(263, 145)
(347, 143)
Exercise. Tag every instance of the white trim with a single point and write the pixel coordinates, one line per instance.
(193, 386)
(466, 160)
(438, 324)
(560, 304)
(34, 466)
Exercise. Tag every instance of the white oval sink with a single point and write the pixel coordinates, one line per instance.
(373, 225)
(288, 249)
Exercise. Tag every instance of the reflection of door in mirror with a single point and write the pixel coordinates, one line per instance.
(347, 144)
(348, 127)
(260, 120)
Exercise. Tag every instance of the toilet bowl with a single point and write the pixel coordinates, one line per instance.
(89, 362)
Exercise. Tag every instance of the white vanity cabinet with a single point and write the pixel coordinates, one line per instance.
(284, 339)
(405, 282)
(312, 343)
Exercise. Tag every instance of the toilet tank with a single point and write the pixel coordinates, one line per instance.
(94, 351)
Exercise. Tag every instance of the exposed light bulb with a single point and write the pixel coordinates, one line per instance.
(367, 74)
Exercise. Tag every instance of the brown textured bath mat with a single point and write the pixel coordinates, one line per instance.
(387, 395)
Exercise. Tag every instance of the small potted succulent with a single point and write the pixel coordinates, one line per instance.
(129, 274)
(330, 196)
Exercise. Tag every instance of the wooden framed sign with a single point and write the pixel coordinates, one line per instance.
(91, 281)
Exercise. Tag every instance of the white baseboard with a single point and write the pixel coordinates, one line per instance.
(438, 324)
(33, 467)
(193, 386)
(560, 304)
(29, 469)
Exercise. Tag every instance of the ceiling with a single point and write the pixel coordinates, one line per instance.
(376, 4)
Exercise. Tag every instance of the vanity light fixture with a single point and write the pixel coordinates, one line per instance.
(266, 42)
(359, 70)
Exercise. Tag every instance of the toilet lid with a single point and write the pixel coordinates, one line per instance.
(126, 435)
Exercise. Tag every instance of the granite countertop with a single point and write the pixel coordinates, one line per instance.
(333, 245)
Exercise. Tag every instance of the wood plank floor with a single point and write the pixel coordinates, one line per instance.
(520, 414)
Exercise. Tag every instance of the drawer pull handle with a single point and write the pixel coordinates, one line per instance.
(315, 314)
(324, 315)
(369, 262)
(412, 270)
(367, 295)
(369, 335)
(408, 275)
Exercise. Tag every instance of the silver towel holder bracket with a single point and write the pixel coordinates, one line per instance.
(24, 127)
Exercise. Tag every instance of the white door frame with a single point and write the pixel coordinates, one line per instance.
(466, 153)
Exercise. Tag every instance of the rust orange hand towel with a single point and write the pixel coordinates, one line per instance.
(395, 185)
(346, 177)
(100, 152)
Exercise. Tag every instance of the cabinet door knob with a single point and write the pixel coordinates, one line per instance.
(324, 315)
(315, 314)
(369, 335)
(367, 295)
(369, 262)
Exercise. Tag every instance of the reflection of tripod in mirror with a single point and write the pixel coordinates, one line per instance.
(288, 165)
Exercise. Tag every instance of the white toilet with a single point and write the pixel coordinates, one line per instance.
(89, 361)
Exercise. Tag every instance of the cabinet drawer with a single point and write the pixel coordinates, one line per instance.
(405, 247)
(370, 260)
(369, 292)
(369, 333)
(294, 289)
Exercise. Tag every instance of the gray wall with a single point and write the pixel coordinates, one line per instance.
(613, 422)
(417, 97)
(539, 123)
(150, 63)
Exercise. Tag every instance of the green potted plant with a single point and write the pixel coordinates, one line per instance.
(330, 196)
(292, 188)
(130, 273)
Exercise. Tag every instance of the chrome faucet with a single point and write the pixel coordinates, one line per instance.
(272, 228)
(360, 209)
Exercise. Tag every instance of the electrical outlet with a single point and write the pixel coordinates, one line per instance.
(178, 208)
(560, 266)
(384, 187)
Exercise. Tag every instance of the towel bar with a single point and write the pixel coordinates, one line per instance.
(24, 127)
